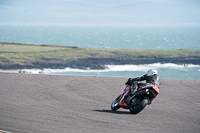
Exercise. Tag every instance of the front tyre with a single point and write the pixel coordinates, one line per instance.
(139, 107)
(115, 104)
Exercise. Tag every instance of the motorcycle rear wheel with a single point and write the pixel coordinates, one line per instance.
(139, 107)
(115, 104)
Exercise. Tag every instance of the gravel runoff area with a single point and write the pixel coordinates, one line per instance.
(81, 104)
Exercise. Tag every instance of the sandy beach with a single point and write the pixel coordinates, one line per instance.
(10, 71)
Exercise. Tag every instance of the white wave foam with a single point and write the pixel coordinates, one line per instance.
(110, 68)
(146, 67)
(32, 71)
(50, 71)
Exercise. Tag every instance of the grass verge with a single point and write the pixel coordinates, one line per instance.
(13, 53)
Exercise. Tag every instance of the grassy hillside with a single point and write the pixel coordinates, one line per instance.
(23, 53)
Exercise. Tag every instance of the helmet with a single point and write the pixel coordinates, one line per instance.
(152, 71)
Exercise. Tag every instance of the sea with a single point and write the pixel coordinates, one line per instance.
(112, 37)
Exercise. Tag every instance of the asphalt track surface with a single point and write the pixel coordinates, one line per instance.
(81, 104)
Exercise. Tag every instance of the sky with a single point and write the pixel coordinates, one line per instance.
(123, 2)
(100, 12)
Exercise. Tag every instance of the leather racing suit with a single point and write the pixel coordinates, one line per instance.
(153, 79)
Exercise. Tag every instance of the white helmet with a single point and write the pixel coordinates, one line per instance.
(152, 71)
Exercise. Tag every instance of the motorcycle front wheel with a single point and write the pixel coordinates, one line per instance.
(139, 107)
(115, 104)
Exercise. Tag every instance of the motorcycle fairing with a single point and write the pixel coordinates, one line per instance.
(122, 103)
(153, 89)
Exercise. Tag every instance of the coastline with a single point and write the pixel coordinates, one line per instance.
(99, 63)
(16, 56)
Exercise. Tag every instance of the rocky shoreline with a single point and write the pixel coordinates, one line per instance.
(99, 62)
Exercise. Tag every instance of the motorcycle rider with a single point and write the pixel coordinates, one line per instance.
(151, 78)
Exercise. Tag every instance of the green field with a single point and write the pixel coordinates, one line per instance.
(24, 53)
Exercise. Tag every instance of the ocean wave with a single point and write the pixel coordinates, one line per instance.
(146, 67)
(110, 68)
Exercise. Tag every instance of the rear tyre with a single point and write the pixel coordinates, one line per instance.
(139, 107)
(115, 104)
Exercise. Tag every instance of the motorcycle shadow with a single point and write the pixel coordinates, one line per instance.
(114, 112)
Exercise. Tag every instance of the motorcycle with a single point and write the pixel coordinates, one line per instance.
(137, 101)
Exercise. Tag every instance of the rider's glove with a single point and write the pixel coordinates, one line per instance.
(129, 82)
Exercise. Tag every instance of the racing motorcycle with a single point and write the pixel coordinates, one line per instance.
(137, 101)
